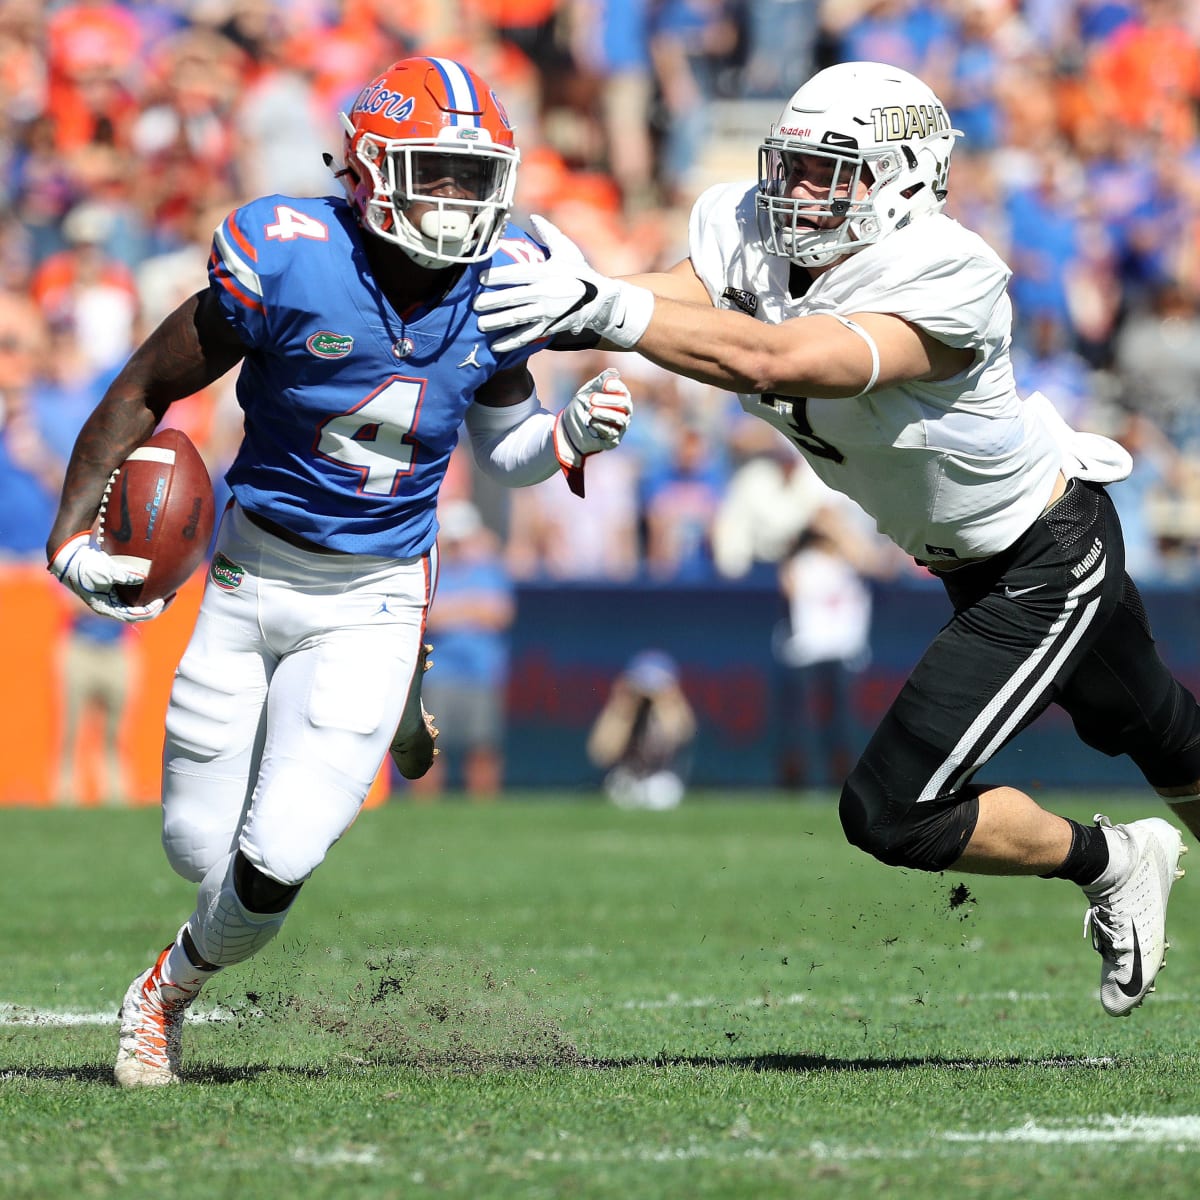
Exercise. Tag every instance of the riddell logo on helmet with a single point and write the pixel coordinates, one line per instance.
(794, 131)
(375, 98)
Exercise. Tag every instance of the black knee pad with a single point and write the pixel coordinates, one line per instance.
(258, 892)
(902, 833)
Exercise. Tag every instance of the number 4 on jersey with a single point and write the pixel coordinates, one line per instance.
(290, 224)
(374, 439)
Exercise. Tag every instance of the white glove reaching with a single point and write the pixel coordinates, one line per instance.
(594, 419)
(93, 575)
(561, 295)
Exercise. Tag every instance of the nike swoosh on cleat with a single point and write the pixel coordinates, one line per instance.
(1133, 988)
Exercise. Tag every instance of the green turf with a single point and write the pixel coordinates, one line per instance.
(559, 999)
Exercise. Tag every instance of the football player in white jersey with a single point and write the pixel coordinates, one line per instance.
(361, 360)
(873, 331)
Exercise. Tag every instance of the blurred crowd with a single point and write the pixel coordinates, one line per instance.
(128, 130)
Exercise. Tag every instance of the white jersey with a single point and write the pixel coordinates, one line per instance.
(954, 469)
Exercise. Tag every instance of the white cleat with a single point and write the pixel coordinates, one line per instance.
(1127, 922)
(152, 1029)
(413, 749)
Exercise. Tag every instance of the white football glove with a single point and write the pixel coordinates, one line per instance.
(93, 575)
(561, 295)
(594, 419)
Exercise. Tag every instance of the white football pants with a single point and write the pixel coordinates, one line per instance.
(286, 699)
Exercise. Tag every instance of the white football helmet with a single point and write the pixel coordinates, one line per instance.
(858, 121)
(423, 122)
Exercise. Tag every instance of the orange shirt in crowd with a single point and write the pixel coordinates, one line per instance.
(1149, 77)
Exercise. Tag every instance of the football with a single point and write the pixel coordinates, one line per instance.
(157, 515)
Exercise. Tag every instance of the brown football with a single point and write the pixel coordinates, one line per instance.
(157, 515)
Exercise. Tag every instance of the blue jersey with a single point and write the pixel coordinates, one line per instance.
(351, 408)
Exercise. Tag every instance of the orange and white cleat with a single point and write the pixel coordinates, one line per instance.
(152, 1028)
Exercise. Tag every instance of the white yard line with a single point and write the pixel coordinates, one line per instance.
(1173, 1133)
(21, 1014)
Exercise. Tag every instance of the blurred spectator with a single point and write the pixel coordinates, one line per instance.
(781, 39)
(598, 539)
(1147, 72)
(913, 34)
(680, 504)
(85, 287)
(1159, 225)
(468, 627)
(768, 502)
(93, 54)
(531, 25)
(1157, 359)
(97, 674)
(41, 184)
(689, 40)
(973, 94)
(165, 280)
(610, 41)
(1048, 364)
(1044, 243)
(63, 390)
(1160, 492)
(824, 642)
(643, 735)
(29, 473)
(184, 134)
(23, 67)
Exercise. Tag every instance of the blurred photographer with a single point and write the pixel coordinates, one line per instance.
(643, 735)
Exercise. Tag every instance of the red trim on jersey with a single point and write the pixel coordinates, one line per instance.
(226, 280)
(247, 249)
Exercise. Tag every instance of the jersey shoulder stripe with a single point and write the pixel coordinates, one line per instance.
(232, 264)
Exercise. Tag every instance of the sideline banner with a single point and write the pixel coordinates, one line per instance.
(720, 633)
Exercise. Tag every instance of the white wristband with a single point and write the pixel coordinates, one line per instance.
(636, 309)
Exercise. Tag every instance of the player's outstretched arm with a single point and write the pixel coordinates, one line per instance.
(669, 318)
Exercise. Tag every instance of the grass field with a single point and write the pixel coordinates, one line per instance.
(559, 999)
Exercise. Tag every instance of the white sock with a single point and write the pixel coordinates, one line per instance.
(179, 972)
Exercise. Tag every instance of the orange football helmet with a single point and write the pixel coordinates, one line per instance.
(430, 163)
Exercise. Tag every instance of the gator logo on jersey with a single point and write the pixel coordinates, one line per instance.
(330, 345)
(225, 573)
(740, 298)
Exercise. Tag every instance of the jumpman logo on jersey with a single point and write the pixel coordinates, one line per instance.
(383, 608)
(472, 360)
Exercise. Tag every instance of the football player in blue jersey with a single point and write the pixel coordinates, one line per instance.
(361, 359)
